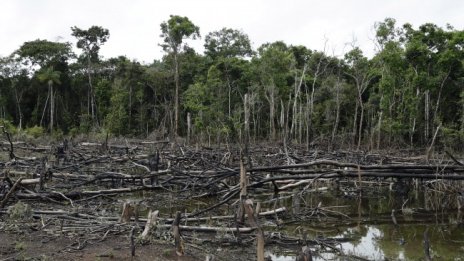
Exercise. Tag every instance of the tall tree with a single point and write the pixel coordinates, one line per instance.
(90, 41)
(44, 53)
(274, 66)
(51, 77)
(11, 70)
(174, 31)
(46, 57)
(226, 48)
(362, 74)
(228, 43)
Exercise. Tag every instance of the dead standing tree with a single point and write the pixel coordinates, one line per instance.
(321, 66)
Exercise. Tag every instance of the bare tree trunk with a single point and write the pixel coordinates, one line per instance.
(52, 105)
(229, 96)
(45, 107)
(427, 112)
(271, 100)
(282, 121)
(361, 118)
(435, 113)
(317, 73)
(189, 127)
(130, 107)
(18, 105)
(296, 98)
(246, 110)
(93, 105)
(176, 98)
(337, 112)
(413, 129)
(300, 124)
(379, 130)
(311, 104)
(355, 122)
(428, 152)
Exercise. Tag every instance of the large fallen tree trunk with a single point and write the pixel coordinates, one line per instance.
(355, 174)
(79, 194)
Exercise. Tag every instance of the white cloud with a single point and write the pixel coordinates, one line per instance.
(134, 25)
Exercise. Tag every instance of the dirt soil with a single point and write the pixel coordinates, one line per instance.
(40, 246)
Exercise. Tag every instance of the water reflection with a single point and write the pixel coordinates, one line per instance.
(367, 245)
(369, 229)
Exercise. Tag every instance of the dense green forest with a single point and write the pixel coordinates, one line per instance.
(409, 92)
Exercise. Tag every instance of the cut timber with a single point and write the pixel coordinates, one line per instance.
(150, 225)
(30, 181)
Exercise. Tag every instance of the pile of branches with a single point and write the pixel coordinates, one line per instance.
(76, 175)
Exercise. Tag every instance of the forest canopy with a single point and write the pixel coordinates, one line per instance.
(409, 91)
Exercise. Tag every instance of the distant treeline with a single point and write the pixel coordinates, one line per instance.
(410, 91)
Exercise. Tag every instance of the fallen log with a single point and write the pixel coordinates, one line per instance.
(30, 181)
(214, 229)
(355, 174)
(165, 220)
(10, 193)
(80, 194)
(355, 166)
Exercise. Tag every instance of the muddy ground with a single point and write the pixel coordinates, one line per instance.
(40, 246)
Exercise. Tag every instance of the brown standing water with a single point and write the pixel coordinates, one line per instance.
(370, 233)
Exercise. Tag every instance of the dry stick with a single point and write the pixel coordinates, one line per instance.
(264, 213)
(454, 158)
(347, 165)
(248, 205)
(176, 233)
(64, 196)
(215, 205)
(213, 229)
(345, 174)
(8, 195)
(429, 149)
(232, 193)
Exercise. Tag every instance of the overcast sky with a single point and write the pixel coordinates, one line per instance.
(134, 25)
